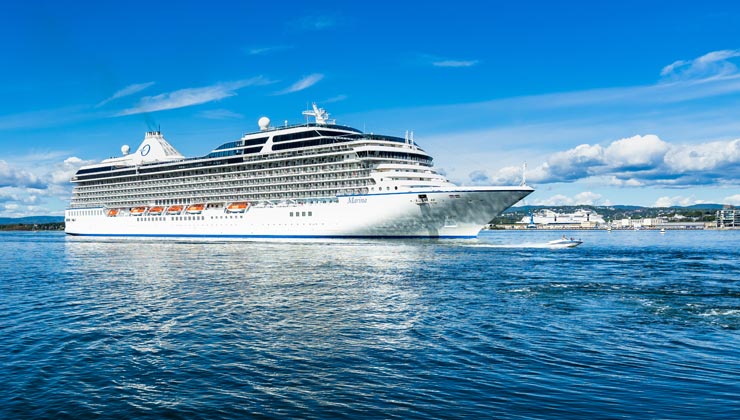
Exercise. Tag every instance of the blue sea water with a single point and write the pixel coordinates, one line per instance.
(628, 325)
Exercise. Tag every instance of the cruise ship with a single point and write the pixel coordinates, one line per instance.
(579, 218)
(311, 180)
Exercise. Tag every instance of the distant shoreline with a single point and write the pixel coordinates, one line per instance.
(32, 227)
(621, 229)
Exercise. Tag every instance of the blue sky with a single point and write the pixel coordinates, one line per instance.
(607, 102)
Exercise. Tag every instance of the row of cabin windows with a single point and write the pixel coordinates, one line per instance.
(337, 171)
(174, 218)
(241, 187)
(333, 172)
(234, 196)
(182, 218)
(301, 214)
(86, 213)
(197, 172)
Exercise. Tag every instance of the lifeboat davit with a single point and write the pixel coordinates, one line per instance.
(138, 211)
(237, 207)
(112, 212)
(174, 209)
(156, 210)
(195, 208)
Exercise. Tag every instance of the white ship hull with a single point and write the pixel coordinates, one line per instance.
(459, 212)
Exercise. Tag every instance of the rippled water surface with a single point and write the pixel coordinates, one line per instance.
(628, 325)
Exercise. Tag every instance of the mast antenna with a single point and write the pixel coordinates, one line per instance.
(524, 174)
(321, 116)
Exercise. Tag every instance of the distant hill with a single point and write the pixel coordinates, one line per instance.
(701, 207)
(31, 220)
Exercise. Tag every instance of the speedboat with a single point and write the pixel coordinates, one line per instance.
(564, 243)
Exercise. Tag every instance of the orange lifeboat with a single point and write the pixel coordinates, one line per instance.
(177, 209)
(138, 211)
(195, 208)
(112, 212)
(237, 207)
(156, 210)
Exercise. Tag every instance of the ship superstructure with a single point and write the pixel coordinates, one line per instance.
(342, 181)
(579, 218)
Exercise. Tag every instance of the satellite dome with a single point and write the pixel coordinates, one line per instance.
(264, 123)
(125, 149)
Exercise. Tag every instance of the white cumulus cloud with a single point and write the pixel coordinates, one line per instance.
(61, 173)
(638, 161)
(510, 175)
(26, 188)
(555, 200)
(585, 198)
(706, 156)
(637, 152)
(629, 182)
(479, 177)
(732, 199)
(11, 195)
(12, 176)
(677, 200)
(579, 162)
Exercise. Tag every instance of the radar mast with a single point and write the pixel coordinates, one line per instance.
(319, 114)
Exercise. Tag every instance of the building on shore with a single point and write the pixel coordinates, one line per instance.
(656, 223)
(646, 223)
(728, 218)
(580, 219)
(589, 219)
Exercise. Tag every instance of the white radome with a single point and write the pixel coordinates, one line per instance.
(264, 123)
(125, 149)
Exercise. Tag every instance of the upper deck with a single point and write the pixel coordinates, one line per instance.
(155, 154)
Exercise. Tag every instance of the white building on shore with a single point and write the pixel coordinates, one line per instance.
(728, 218)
